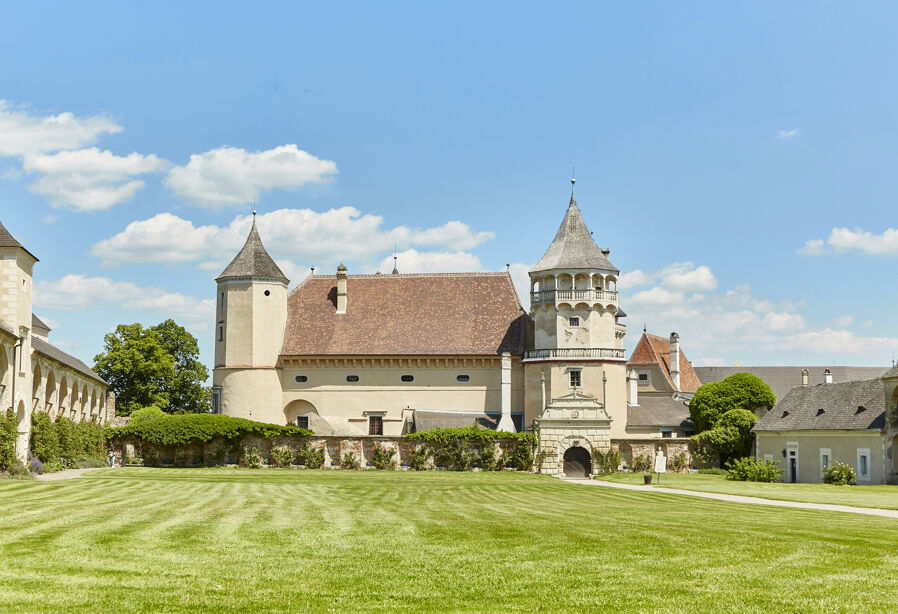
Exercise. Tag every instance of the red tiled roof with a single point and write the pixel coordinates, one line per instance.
(450, 313)
(655, 350)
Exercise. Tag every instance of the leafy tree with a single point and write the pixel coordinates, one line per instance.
(730, 439)
(156, 366)
(146, 413)
(738, 391)
(186, 391)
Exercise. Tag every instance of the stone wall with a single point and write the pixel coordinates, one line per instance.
(633, 448)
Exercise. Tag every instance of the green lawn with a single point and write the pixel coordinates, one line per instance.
(885, 497)
(227, 540)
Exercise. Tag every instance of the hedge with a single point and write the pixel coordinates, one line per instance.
(9, 429)
(65, 443)
(446, 435)
(182, 429)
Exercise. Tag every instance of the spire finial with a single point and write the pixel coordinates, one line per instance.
(254, 209)
(395, 259)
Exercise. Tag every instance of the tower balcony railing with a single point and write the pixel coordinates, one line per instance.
(575, 353)
(542, 297)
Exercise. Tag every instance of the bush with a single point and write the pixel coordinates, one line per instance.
(418, 458)
(35, 466)
(642, 464)
(281, 456)
(146, 413)
(470, 434)
(521, 458)
(180, 429)
(383, 457)
(456, 455)
(839, 474)
(713, 471)
(487, 460)
(44, 442)
(349, 461)
(9, 430)
(677, 463)
(607, 462)
(311, 458)
(251, 458)
(740, 390)
(752, 469)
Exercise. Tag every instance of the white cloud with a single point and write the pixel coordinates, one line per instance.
(657, 296)
(678, 277)
(233, 176)
(787, 134)
(520, 275)
(829, 342)
(77, 292)
(812, 247)
(633, 279)
(843, 321)
(21, 133)
(783, 321)
(413, 261)
(319, 239)
(89, 179)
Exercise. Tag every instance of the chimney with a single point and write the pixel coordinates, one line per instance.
(827, 376)
(675, 359)
(633, 383)
(341, 288)
(805, 377)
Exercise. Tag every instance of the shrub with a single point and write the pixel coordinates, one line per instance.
(456, 455)
(471, 434)
(677, 463)
(45, 440)
(840, 474)
(312, 458)
(740, 390)
(642, 464)
(281, 456)
(521, 457)
(752, 469)
(349, 461)
(607, 462)
(383, 457)
(540, 459)
(713, 471)
(35, 466)
(418, 458)
(487, 460)
(146, 413)
(9, 430)
(180, 429)
(251, 458)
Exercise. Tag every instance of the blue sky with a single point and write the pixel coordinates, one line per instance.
(738, 159)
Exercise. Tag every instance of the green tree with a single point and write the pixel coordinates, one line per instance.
(738, 391)
(728, 440)
(156, 366)
(187, 392)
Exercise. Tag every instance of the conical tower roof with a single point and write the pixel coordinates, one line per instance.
(253, 262)
(573, 247)
(7, 240)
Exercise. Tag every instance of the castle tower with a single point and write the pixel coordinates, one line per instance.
(577, 339)
(16, 270)
(251, 312)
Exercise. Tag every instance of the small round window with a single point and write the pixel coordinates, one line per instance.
(268, 293)
(407, 378)
(352, 379)
(301, 379)
(463, 379)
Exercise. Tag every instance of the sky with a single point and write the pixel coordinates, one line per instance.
(737, 158)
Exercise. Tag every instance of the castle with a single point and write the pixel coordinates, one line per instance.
(389, 354)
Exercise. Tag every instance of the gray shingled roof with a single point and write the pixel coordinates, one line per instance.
(658, 410)
(54, 353)
(573, 247)
(7, 328)
(782, 379)
(7, 240)
(253, 262)
(36, 322)
(893, 372)
(857, 405)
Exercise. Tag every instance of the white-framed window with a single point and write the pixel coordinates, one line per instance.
(302, 422)
(576, 376)
(573, 321)
(826, 455)
(643, 378)
(863, 464)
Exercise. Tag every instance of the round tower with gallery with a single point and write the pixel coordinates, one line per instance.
(577, 333)
(251, 312)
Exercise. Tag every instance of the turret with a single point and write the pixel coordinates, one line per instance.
(251, 312)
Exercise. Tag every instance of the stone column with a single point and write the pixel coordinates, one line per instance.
(505, 422)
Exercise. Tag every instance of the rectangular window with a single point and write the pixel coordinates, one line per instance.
(573, 321)
(375, 425)
(667, 432)
(216, 400)
(643, 378)
(863, 464)
(220, 333)
(576, 380)
(825, 455)
(302, 422)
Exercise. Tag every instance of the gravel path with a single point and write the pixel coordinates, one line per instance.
(871, 511)
(65, 474)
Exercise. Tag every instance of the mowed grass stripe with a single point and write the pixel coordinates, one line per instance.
(232, 540)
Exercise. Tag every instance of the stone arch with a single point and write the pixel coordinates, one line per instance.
(50, 393)
(74, 400)
(611, 283)
(581, 281)
(576, 462)
(548, 283)
(63, 401)
(565, 282)
(598, 282)
(574, 441)
(4, 370)
(301, 407)
(36, 387)
(85, 401)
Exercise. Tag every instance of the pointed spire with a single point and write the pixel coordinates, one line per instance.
(573, 246)
(253, 262)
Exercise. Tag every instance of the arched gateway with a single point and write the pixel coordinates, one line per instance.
(577, 463)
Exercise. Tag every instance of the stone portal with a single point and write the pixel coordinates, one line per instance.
(577, 424)
(577, 463)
